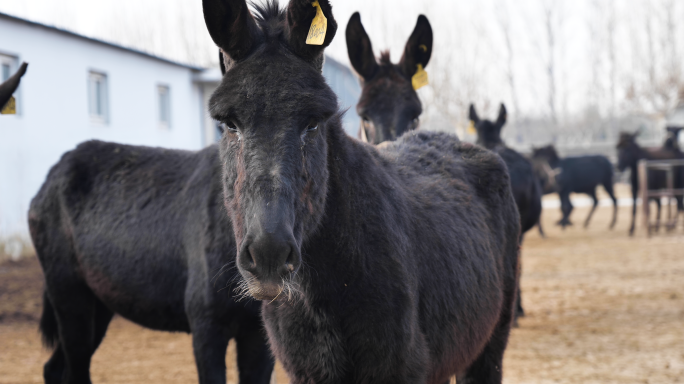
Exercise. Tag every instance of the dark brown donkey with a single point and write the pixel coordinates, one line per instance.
(374, 266)
(141, 232)
(389, 105)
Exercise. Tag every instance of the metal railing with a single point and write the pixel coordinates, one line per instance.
(669, 192)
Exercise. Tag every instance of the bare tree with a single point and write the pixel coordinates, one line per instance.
(549, 12)
(504, 22)
(656, 92)
(612, 60)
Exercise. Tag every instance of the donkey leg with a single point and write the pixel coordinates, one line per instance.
(488, 368)
(680, 210)
(566, 209)
(254, 360)
(609, 189)
(75, 307)
(103, 316)
(53, 370)
(519, 311)
(657, 225)
(634, 209)
(561, 222)
(593, 208)
(209, 344)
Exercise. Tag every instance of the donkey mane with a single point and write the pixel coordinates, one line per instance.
(270, 18)
(385, 58)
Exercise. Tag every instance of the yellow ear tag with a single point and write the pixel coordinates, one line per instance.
(319, 26)
(10, 108)
(471, 128)
(420, 79)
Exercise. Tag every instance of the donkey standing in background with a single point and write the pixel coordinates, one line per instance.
(578, 174)
(526, 188)
(629, 154)
(524, 183)
(10, 85)
(374, 266)
(389, 106)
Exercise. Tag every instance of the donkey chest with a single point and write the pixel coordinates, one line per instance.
(308, 343)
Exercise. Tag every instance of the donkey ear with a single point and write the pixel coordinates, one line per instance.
(472, 115)
(10, 85)
(300, 15)
(232, 28)
(360, 49)
(418, 47)
(501, 120)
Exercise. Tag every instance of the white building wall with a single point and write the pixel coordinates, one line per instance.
(54, 109)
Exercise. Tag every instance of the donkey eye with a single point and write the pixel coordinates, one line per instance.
(312, 128)
(230, 127)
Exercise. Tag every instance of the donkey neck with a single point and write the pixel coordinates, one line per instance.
(554, 161)
(491, 144)
(356, 201)
(642, 154)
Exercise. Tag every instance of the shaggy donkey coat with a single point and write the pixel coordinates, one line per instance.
(374, 266)
(141, 232)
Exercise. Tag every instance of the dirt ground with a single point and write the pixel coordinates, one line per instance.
(601, 308)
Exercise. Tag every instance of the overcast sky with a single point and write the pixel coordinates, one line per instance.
(470, 62)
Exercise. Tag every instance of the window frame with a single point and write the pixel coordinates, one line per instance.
(98, 97)
(164, 106)
(13, 63)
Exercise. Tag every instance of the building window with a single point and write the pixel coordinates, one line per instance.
(97, 98)
(5, 72)
(164, 97)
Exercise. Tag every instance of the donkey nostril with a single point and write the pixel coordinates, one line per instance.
(250, 258)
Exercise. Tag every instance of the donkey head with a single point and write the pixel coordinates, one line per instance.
(488, 132)
(672, 141)
(389, 106)
(547, 153)
(628, 150)
(542, 158)
(276, 108)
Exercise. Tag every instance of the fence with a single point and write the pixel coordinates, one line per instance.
(669, 192)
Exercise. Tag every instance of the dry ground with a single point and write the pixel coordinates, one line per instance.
(601, 308)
